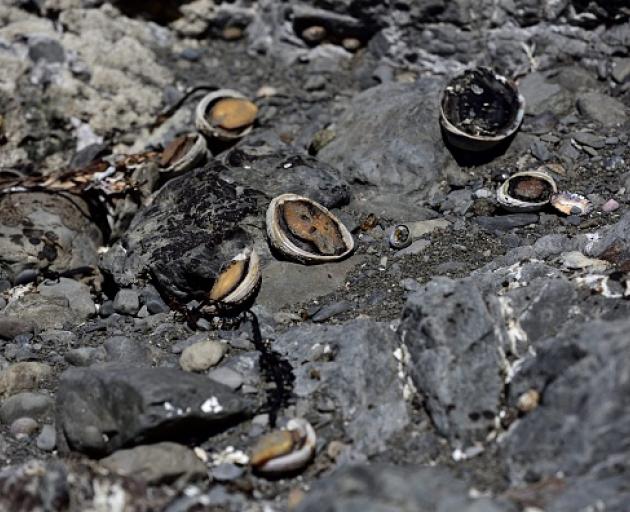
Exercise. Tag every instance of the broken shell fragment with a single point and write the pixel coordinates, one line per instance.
(526, 191)
(400, 237)
(236, 284)
(225, 114)
(306, 231)
(183, 153)
(479, 109)
(571, 204)
(285, 451)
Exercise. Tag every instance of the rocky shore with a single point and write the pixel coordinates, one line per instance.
(303, 295)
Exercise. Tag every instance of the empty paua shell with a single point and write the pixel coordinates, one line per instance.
(284, 451)
(306, 231)
(526, 191)
(183, 153)
(571, 204)
(479, 109)
(225, 114)
(400, 237)
(236, 284)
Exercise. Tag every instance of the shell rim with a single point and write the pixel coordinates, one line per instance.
(452, 129)
(206, 128)
(281, 242)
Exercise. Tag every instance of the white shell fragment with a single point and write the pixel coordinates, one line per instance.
(184, 153)
(526, 191)
(204, 123)
(236, 284)
(571, 204)
(274, 456)
(306, 231)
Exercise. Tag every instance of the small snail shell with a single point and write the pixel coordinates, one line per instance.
(183, 153)
(285, 451)
(526, 191)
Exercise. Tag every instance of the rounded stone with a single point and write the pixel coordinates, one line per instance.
(23, 427)
(202, 355)
(32, 405)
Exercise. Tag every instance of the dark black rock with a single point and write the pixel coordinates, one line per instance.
(102, 410)
(46, 49)
(182, 240)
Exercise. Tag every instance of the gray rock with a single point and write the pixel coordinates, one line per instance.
(306, 282)
(450, 335)
(381, 488)
(226, 376)
(46, 440)
(77, 294)
(457, 201)
(25, 376)
(502, 223)
(161, 463)
(127, 351)
(621, 70)
(153, 302)
(602, 108)
(415, 248)
(226, 472)
(12, 327)
(47, 231)
(202, 355)
(331, 310)
(58, 338)
(46, 49)
(273, 172)
(356, 371)
(85, 356)
(127, 302)
(23, 427)
(390, 142)
(33, 405)
(542, 96)
(581, 376)
(126, 406)
(589, 139)
(43, 312)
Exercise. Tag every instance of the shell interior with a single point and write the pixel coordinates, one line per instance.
(176, 150)
(311, 229)
(232, 113)
(229, 279)
(400, 236)
(530, 188)
(275, 444)
(480, 103)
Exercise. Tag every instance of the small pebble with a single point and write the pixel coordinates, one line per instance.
(47, 440)
(23, 427)
(226, 472)
(226, 376)
(202, 355)
(610, 206)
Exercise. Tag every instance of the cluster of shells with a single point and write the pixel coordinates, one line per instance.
(223, 115)
(529, 191)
